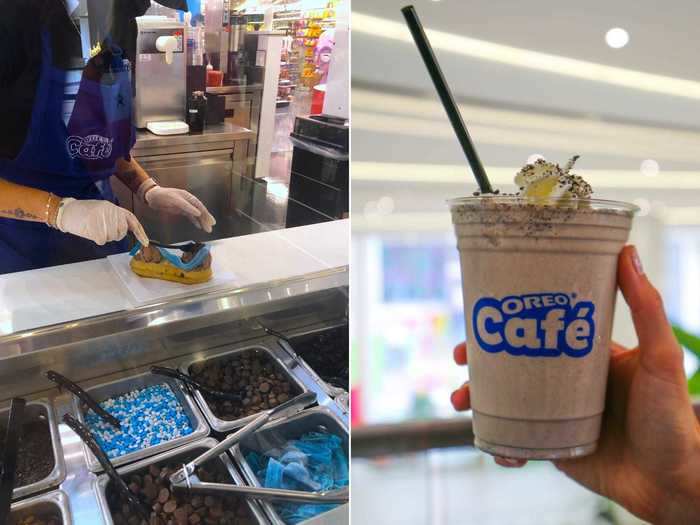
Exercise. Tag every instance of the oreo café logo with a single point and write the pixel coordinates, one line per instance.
(536, 325)
(92, 147)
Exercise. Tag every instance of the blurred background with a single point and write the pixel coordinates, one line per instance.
(615, 82)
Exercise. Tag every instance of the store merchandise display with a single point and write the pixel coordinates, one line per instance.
(148, 417)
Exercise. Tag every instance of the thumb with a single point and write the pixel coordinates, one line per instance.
(659, 352)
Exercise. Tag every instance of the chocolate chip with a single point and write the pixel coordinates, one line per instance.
(35, 459)
(150, 491)
(252, 374)
(163, 495)
(180, 515)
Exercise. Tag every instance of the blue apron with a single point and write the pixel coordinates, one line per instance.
(73, 160)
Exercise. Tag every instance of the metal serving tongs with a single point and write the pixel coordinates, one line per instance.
(192, 383)
(64, 382)
(9, 457)
(275, 333)
(85, 435)
(182, 479)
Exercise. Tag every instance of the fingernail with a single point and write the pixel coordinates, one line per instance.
(637, 262)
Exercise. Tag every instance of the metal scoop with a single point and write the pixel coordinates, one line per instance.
(182, 479)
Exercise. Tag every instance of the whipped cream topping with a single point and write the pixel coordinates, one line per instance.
(547, 180)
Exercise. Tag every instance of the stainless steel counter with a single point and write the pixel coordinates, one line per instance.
(82, 488)
(217, 137)
(125, 344)
(235, 89)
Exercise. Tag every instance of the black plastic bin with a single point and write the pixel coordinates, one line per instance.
(319, 177)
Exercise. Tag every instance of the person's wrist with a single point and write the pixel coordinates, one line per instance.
(58, 222)
(681, 503)
(52, 206)
(145, 187)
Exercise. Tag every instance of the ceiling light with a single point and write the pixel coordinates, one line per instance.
(377, 27)
(649, 168)
(617, 37)
(385, 205)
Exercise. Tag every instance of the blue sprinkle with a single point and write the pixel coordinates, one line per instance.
(148, 416)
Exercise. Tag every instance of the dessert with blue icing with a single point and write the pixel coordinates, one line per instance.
(157, 262)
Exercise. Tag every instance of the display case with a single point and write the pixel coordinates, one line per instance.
(112, 353)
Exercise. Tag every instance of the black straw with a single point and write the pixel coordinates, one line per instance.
(448, 101)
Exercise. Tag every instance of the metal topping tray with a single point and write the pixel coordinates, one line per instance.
(179, 455)
(340, 395)
(283, 363)
(122, 386)
(34, 411)
(51, 502)
(291, 428)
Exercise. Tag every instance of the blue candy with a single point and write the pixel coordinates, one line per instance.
(316, 461)
(148, 416)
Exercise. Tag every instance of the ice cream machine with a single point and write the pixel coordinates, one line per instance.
(160, 75)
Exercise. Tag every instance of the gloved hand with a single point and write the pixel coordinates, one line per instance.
(99, 221)
(178, 202)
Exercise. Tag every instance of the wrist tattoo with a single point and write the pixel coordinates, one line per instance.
(18, 213)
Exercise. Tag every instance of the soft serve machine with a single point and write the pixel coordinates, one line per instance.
(160, 75)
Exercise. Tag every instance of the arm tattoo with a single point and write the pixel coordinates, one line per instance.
(18, 213)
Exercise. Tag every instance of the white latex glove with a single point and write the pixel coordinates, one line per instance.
(99, 221)
(180, 202)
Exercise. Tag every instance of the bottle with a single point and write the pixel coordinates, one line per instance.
(198, 46)
(196, 111)
(214, 78)
(189, 39)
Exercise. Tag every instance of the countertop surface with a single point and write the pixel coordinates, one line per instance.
(232, 90)
(60, 294)
(216, 133)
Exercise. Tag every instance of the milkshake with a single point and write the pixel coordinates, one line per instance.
(539, 282)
